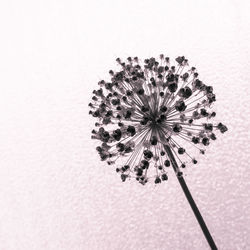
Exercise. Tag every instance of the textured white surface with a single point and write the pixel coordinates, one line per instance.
(54, 191)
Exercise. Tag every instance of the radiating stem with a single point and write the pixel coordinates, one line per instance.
(190, 199)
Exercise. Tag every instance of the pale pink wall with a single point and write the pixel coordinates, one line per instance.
(54, 191)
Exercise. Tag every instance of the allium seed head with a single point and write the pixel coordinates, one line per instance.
(149, 104)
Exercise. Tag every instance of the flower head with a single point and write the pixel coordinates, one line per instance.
(147, 105)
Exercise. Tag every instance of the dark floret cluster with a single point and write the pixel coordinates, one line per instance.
(146, 105)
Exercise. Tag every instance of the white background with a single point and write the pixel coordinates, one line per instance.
(54, 191)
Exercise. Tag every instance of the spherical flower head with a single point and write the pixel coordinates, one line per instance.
(146, 105)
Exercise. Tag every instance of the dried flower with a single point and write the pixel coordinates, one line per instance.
(147, 105)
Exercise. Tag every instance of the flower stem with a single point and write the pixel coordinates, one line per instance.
(190, 199)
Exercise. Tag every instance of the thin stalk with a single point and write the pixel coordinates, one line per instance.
(190, 199)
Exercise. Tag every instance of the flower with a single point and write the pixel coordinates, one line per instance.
(147, 105)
